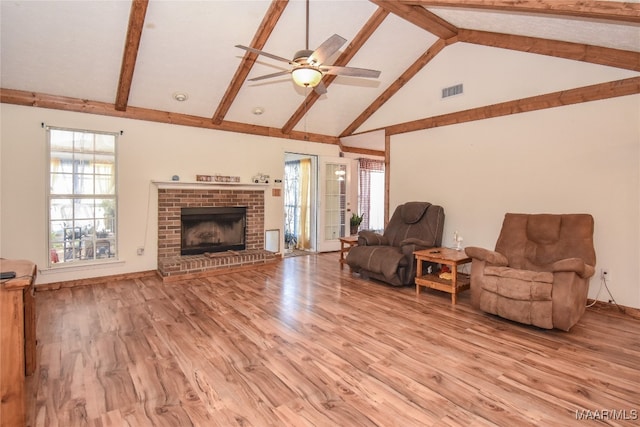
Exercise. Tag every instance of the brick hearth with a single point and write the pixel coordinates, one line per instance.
(171, 264)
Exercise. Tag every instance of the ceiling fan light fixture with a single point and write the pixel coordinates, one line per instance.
(306, 76)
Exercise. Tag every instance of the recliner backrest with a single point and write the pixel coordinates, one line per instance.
(420, 220)
(534, 241)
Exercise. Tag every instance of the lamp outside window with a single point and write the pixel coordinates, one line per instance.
(306, 76)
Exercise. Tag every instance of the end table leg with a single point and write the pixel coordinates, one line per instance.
(418, 274)
(454, 283)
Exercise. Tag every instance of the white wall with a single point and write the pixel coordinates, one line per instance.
(146, 151)
(578, 158)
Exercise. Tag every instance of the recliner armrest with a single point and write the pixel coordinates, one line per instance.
(482, 254)
(370, 238)
(576, 265)
(417, 242)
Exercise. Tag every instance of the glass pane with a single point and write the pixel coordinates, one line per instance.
(104, 164)
(105, 184)
(86, 227)
(83, 163)
(61, 183)
(61, 209)
(105, 217)
(57, 231)
(83, 141)
(376, 213)
(84, 208)
(83, 184)
(61, 140)
(61, 162)
(105, 143)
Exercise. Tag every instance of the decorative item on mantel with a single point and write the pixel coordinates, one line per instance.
(217, 178)
(260, 178)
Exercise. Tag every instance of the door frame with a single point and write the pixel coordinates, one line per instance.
(313, 215)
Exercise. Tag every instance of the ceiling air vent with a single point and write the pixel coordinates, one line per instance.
(452, 90)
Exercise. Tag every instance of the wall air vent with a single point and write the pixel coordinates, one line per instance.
(452, 90)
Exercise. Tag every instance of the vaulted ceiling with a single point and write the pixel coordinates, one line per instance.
(130, 59)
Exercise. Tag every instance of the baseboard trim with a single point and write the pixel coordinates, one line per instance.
(610, 307)
(54, 286)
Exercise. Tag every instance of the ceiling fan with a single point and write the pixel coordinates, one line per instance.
(308, 65)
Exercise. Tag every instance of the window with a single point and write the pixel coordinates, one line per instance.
(82, 196)
(371, 193)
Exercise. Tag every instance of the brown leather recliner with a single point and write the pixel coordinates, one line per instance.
(389, 256)
(539, 272)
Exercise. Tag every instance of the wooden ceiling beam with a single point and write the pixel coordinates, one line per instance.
(259, 40)
(608, 10)
(130, 55)
(629, 60)
(423, 60)
(363, 151)
(419, 16)
(595, 92)
(33, 99)
(358, 41)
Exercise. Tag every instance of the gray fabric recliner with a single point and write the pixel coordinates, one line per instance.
(389, 257)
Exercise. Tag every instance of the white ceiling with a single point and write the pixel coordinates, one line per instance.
(75, 49)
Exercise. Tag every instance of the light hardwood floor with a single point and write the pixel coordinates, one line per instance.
(305, 343)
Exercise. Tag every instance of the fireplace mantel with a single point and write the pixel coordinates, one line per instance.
(192, 185)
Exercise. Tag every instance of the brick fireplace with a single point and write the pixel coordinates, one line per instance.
(173, 265)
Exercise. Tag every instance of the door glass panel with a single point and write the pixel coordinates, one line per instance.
(335, 201)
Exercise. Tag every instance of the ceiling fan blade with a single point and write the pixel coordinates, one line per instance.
(263, 53)
(350, 71)
(320, 89)
(268, 76)
(326, 49)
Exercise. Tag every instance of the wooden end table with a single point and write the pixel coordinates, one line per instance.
(346, 243)
(444, 256)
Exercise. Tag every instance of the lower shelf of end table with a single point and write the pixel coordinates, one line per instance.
(444, 256)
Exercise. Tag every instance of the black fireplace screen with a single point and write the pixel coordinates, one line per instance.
(212, 229)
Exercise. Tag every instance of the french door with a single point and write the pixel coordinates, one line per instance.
(333, 203)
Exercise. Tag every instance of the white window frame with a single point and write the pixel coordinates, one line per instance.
(82, 219)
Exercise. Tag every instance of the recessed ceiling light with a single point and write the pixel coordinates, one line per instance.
(258, 111)
(180, 96)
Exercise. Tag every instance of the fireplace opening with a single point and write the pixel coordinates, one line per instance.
(212, 229)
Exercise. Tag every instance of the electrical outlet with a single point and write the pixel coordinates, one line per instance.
(140, 251)
(604, 274)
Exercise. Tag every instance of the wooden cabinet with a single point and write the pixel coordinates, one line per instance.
(17, 339)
